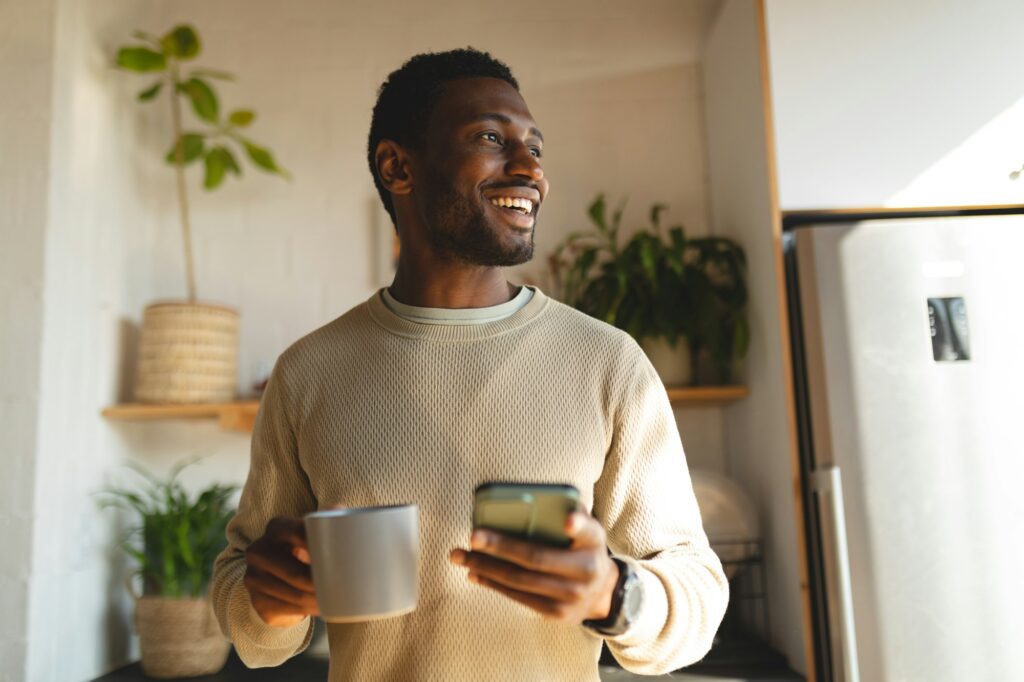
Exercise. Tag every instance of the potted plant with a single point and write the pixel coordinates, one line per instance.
(174, 542)
(682, 299)
(188, 349)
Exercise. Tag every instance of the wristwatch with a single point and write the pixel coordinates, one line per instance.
(627, 598)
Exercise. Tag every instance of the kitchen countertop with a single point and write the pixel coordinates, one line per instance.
(736, 659)
(306, 668)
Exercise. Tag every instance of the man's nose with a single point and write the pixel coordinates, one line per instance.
(523, 163)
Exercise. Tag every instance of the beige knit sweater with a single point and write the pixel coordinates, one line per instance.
(373, 409)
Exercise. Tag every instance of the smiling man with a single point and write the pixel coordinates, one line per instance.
(452, 377)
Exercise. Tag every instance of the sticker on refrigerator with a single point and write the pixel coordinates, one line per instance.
(947, 318)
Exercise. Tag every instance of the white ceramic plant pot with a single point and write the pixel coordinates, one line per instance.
(672, 362)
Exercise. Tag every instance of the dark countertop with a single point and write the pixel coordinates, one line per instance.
(301, 668)
(309, 668)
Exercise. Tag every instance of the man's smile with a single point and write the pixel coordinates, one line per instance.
(519, 213)
(517, 205)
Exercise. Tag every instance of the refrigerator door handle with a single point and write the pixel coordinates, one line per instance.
(827, 480)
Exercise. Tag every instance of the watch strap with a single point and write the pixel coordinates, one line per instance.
(614, 623)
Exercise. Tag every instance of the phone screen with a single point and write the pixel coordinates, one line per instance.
(533, 511)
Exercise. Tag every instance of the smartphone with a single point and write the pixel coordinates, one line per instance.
(532, 511)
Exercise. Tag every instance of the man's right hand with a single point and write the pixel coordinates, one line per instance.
(277, 574)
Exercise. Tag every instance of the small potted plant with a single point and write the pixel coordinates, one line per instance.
(188, 349)
(174, 541)
(682, 299)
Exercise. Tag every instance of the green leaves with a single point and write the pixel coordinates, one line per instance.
(181, 42)
(213, 142)
(180, 535)
(660, 284)
(219, 160)
(191, 146)
(141, 59)
(204, 101)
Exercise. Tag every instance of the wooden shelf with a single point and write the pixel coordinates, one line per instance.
(235, 416)
(705, 396)
(241, 415)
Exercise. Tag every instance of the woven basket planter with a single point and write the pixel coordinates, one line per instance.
(188, 353)
(179, 637)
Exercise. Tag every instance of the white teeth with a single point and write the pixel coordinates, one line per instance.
(525, 205)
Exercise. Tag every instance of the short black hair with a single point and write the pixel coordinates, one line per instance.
(407, 98)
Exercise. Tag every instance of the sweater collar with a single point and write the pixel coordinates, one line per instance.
(395, 324)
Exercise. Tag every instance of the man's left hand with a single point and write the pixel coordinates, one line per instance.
(572, 584)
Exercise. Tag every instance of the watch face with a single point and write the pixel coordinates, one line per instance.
(631, 601)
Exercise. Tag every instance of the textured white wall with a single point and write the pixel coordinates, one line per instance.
(757, 443)
(616, 91)
(79, 619)
(915, 103)
(26, 68)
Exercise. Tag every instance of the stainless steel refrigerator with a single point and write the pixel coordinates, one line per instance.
(908, 349)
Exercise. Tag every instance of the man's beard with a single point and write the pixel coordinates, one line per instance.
(460, 231)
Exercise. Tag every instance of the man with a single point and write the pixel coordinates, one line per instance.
(453, 377)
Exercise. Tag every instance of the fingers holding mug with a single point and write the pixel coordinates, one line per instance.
(278, 576)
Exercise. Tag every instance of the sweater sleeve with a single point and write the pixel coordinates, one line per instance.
(645, 501)
(276, 486)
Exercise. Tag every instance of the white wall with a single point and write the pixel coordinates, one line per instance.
(79, 610)
(26, 68)
(615, 90)
(757, 441)
(915, 103)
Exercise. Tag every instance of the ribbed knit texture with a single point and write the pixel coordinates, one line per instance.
(373, 409)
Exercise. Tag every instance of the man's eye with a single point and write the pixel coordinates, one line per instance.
(536, 151)
(493, 137)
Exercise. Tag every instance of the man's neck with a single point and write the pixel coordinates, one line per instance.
(455, 286)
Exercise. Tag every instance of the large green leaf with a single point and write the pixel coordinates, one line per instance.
(151, 92)
(231, 164)
(181, 42)
(596, 212)
(241, 117)
(141, 59)
(204, 101)
(184, 542)
(263, 158)
(216, 167)
(191, 147)
(647, 259)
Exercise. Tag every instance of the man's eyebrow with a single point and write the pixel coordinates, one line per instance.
(502, 118)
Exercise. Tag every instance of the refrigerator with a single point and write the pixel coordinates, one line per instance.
(907, 332)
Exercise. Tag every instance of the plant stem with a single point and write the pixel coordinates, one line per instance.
(179, 172)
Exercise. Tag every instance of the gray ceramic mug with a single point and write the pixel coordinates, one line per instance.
(365, 561)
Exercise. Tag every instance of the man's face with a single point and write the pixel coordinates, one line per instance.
(482, 150)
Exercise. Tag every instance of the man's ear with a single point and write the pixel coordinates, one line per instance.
(394, 167)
